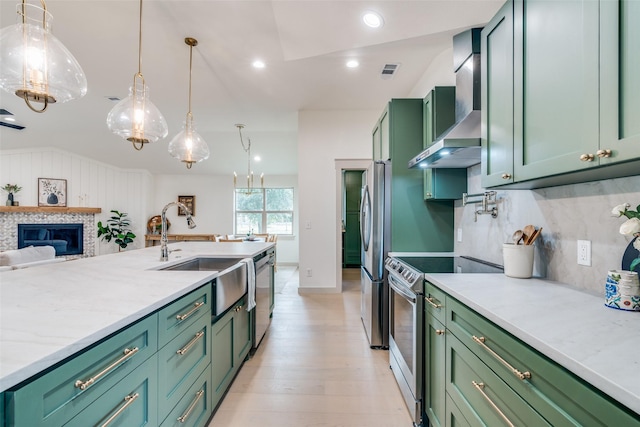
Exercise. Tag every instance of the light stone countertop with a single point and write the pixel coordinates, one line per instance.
(50, 312)
(599, 344)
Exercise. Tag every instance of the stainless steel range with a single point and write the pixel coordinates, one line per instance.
(406, 317)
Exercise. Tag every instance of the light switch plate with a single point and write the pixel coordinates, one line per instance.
(459, 234)
(584, 252)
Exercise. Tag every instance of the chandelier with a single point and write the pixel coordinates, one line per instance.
(188, 146)
(34, 64)
(136, 118)
(247, 149)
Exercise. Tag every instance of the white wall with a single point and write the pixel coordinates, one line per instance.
(439, 73)
(214, 206)
(89, 183)
(323, 137)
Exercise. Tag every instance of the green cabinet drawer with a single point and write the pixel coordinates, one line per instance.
(194, 408)
(434, 371)
(482, 397)
(130, 403)
(56, 397)
(435, 302)
(454, 415)
(561, 397)
(179, 315)
(181, 361)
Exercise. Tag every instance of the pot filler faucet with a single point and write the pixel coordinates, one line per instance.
(164, 251)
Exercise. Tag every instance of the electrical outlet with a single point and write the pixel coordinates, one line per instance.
(584, 252)
(308, 225)
(309, 272)
(459, 234)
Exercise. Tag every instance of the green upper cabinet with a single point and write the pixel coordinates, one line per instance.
(438, 115)
(381, 148)
(497, 98)
(619, 82)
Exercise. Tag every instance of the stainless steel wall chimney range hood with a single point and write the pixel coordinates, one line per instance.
(459, 146)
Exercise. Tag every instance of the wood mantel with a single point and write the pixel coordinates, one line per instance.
(49, 209)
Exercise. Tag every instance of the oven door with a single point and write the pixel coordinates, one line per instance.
(406, 343)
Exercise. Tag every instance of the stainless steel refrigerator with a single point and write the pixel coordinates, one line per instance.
(374, 232)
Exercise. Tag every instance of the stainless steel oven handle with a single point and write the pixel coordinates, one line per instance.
(406, 294)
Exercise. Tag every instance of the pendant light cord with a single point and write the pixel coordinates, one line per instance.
(140, 41)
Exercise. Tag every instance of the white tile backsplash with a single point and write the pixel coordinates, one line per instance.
(567, 214)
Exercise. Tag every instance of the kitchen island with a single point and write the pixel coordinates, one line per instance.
(51, 312)
(597, 345)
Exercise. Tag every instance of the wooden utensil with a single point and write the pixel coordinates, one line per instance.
(534, 237)
(517, 236)
(528, 230)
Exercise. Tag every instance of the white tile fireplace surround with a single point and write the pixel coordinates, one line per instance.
(9, 227)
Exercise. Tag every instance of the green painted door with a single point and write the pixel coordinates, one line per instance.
(385, 143)
(222, 355)
(556, 79)
(619, 82)
(497, 98)
(351, 242)
(242, 332)
(434, 371)
(376, 141)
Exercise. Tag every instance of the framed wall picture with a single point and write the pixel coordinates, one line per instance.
(189, 202)
(52, 192)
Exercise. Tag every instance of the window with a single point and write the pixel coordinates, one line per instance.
(264, 210)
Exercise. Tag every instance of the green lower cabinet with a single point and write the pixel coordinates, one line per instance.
(434, 372)
(195, 407)
(482, 397)
(131, 403)
(454, 415)
(242, 332)
(181, 361)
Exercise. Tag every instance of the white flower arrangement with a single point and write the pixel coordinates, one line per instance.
(631, 227)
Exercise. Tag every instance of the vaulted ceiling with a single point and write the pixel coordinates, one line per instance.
(304, 43)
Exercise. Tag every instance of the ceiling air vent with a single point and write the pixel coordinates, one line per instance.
(389, 70)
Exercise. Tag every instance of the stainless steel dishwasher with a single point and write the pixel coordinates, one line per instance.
(264, 264)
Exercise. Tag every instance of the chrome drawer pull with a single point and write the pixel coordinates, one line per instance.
(184, 416)
(522, 375)
(128, 400)
(433, 304)
(195, 308)
(128, 353)
(186, 348)
(479, 387)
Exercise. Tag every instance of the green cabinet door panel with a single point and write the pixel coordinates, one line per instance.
(181, 361)
(57, 396)
(242, 332)
(131, 403)
(482, 397)
(444, 183)
(222, 356)
(434, 372)
(352, 196)
(619, 82)
(556, 79)
(385, 142)
(181, 314)
(194, 409)
(497, 98)
(376, 142)
(454, 415)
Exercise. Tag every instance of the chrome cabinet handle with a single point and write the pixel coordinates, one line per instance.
(195, 308)
(128, 353)
(433, 304)
(128, 400)
(587, 157)
(184, 416)
(190, 344)
(506, 176)
(479, 387)
(522, 375)
(603, 153)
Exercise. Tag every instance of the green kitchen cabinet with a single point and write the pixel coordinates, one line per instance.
(181, 314)
(194, 409)
(434, 370)
(230, 344)
(438, 115)
(132, 402)
(454, 415)
(619, 84)
(497, 98)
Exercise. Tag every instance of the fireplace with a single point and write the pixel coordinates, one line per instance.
(67, 239)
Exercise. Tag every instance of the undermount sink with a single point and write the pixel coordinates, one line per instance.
(204, 264)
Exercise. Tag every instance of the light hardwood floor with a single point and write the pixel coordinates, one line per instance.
(314, 367)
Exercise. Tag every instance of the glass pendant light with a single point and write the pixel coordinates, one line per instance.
(34, 64)
(247, 149)
(135, 118)
(188, 146)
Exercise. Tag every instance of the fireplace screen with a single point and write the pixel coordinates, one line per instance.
(65, 238)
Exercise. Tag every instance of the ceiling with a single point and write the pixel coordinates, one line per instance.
(304, 43)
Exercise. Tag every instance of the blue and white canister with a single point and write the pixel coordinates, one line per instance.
(622, 290)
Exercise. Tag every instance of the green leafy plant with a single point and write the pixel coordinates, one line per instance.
(117, 229)
(12, 188)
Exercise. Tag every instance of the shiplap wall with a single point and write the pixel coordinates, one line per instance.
(89, 183)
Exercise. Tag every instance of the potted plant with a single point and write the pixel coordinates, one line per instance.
(11, 189)
(118, 229)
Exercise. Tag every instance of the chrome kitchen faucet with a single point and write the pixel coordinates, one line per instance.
(164, 251)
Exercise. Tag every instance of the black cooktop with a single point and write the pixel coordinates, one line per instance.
(453, 264)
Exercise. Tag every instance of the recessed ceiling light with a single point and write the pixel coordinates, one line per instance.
(352, 63)
(258, 64)
(372, 19)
